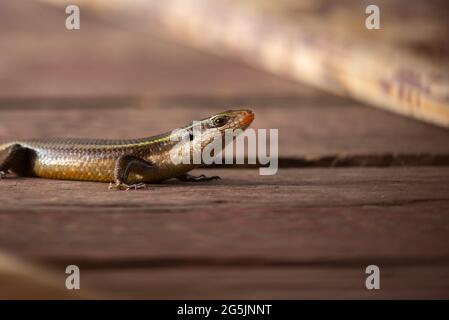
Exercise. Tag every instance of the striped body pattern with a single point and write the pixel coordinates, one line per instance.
(97, 159)
(94, 159)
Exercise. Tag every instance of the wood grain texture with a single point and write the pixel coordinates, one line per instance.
(43, 58)
(246, 236)
(21, 279)
(309, 127)
(402, 282)
(368, 68)
(304, 233)
(381, 212)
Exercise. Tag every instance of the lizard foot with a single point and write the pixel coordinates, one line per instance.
(202, 177)
(124, 186)
(2, 174)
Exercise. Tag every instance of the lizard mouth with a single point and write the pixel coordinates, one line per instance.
(247, 118)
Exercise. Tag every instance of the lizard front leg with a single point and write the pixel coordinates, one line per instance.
(124, 166)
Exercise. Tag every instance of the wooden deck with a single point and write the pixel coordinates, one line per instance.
(378, 192)
(303, 233)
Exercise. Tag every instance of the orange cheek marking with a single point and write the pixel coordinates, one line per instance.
(248, 119)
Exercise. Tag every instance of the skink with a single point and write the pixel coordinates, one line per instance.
(126, 164)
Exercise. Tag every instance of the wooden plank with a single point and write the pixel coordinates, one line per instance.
(297, 215)
(379, 73)
(22, 279)
(397, 282)
(300, 234)
(43, 58)
(309, 128)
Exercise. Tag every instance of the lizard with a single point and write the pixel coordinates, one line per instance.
(125, 164)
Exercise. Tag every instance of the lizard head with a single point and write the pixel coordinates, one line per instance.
(228, 122)
(231, 122)
(231, 119)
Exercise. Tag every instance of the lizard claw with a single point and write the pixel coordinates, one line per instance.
(135, 186)
(113, 186)
(202, 177)
(124, 186)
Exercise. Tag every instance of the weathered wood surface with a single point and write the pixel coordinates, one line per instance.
(41, 57)
(389, 213)
(317, 227)
(316, 282)
(370, 68)
(309, 127)
(21, 279)
(304, 233)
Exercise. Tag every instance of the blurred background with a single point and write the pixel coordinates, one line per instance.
(145, 48)
(368, 110)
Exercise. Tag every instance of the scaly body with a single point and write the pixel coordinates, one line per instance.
(128, 163)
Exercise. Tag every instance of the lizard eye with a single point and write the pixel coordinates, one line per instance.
(220, 121)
